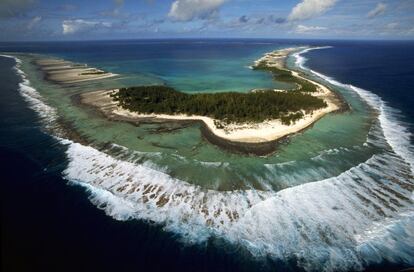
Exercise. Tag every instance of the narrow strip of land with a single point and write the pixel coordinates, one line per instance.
(66, 72)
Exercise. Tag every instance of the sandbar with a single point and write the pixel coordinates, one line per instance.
(66, 72)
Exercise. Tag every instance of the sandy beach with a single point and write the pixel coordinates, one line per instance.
(277, 58)
(66, 72)
(267, 131)
(250, 133)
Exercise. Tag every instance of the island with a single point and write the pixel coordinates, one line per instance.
(251, 122)
(247, 122)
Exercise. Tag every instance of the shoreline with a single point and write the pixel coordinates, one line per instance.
(256, 149)
(64, 72)
(269, 131)
(259, 139)
(244, 133)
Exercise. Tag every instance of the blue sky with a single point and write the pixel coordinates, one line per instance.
(140, 19)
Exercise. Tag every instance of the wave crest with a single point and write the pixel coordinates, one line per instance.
(324, 225)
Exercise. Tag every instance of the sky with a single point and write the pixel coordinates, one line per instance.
(49, 20)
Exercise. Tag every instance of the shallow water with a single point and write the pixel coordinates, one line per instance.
(185, 155)
(342, 190)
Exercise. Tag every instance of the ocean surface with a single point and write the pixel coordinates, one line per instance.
(81, 192)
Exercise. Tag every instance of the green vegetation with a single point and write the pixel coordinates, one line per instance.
(229, 107)
(286, 76)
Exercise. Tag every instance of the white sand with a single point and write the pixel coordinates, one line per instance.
(250, 133)
(277, 58)
(66, 72)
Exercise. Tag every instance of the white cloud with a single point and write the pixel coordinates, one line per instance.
(34, 22)
(392, 26)
(378, 10)
(302, 29)
(80, 25)
(187, 10)
(310, 8)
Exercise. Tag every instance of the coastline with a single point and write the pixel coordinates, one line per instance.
(269, 131)
(66, 72)
(245, 133)
(344, 196)
(249, 148)
(248, 138)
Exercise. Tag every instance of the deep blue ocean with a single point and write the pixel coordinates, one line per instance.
(385, 68)
(49, 225)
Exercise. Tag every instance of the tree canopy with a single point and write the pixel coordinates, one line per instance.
(228, 107)
(285, 75)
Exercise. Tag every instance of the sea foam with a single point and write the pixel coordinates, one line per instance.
(362, 216)
(396, 134)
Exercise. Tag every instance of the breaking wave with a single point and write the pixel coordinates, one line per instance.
(46, 113)
(396, 134)
(363, 216)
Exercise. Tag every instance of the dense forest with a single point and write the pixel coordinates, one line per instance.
(228, 107)
(286, 76)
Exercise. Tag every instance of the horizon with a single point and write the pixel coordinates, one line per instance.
(211, 135)
(47, 20)
(212, 38)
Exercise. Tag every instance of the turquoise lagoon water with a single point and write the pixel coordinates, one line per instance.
(185, 155)
(339, 189)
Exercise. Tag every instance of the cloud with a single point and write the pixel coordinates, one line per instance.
(270, 19)
(276, 20)
(13, 8)
(378, 10)
(310, 8)
(187, 10)
(302, 29)
(80, 25)
(392, 26)
(243, 19)
(34, 22)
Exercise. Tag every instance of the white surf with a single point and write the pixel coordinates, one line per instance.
(364, 215)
